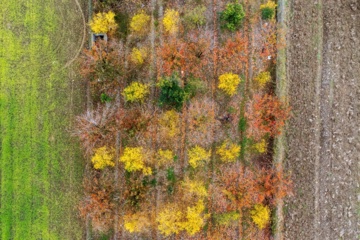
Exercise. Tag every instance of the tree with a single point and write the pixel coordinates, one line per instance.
(260, 215)
(103, 22)
(232, 16)
(171, 93)
(136, 92)
(171, 21)
(134, 160)
(262, 79)
(103, 157)
(198, 156)
(194, 218)
(138, 55)
(140, 23)
(98, 203)
(266, 115)
(228, 82)
(169, 220)
(268, 10)
(228, 151)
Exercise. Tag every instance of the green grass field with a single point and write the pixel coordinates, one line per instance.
(40, 166)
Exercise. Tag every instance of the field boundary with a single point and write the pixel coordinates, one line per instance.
(282, 92)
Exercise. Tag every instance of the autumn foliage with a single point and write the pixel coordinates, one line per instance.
(181, 122)
(266, 116)
(103, 22)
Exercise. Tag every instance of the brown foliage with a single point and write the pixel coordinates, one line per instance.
(102, 64)
(98, 204)
(95, 128)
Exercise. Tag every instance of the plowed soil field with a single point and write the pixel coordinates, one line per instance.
(323, 135)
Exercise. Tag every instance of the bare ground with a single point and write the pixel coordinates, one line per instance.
(323, 135)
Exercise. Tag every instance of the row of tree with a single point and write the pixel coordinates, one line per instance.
(179, 140)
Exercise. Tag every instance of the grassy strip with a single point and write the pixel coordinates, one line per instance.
(37, 178)
(282, 93)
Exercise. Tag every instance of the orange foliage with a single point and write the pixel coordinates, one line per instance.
(266, 115)
(273, 185)
(233, 55)
(188, 58)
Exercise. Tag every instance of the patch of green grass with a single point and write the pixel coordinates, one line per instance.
(40, 167)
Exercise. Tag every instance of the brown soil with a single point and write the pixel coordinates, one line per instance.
(323, 135)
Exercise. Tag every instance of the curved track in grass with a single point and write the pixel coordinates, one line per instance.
(40, 166)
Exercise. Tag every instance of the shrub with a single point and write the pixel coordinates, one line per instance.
(164, 157)
(140, 23)
(171, 21)
(194, 86)
(105, 98)
(135, 92)
(198, 155)
(262, 79)
(133, 158)
(261, 146)
(232, 16)
(137, 222)
(138, 56)
(268, 10)
(229, 82)
(260, 215)
(171, 93)
(102, 158)
(227, 218)
(196, 17)
(228, 152)
(196, 188)
(103, 22)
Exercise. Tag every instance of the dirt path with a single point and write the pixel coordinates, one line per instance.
(323, 135)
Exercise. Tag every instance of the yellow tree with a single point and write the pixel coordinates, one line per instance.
(103, 22)
(103, 157)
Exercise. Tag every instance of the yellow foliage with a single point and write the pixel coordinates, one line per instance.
(103, 22)
(228, 152)
(138, 56)
(262, 79)
(198, 155)
(103, 158)
(194, 221)
(140, 22)
(170, 120)
(137, 222)
(169, 221)
(269, 4)
(260, 215)
(227, 218)
(171, 21)
(133, 158)
(164, 156)
(195, 187)
(136, 92)
(228, 82)
(261, 146)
